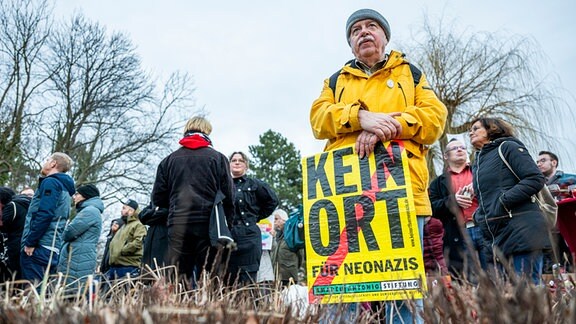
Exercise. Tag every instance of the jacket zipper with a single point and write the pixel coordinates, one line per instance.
(482, 200)
(340, 96)
(403, 94)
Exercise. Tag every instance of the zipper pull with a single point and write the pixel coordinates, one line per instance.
(510, 213)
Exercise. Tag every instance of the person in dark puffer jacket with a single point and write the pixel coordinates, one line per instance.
(47, 215)
(510, 221)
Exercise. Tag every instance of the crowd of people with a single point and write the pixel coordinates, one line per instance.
(478, 204)
(476, 216)
(44, 236)
(487, 217)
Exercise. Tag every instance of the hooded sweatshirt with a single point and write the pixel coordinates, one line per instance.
(48, 212)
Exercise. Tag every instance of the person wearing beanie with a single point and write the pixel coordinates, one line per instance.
(88, 191)
(378, 97)
(127, 247)
(80, 237)
(364, 14)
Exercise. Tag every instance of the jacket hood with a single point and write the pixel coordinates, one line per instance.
(395, 58)
(133, 217)
(66, 181)
(22, 200)
(94, 202)
(195, 140)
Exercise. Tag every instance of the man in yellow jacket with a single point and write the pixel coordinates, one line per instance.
(380, 97)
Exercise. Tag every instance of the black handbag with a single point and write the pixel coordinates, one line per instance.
(219, 232)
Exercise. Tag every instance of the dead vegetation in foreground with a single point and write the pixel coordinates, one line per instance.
(151, 298)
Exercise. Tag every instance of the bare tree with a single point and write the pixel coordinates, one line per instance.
(24, 28)
(486, 74)
(102, 108)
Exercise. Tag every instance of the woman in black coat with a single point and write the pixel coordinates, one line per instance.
(253, 200)
(115, 225)
(511, 221)
(156, 240)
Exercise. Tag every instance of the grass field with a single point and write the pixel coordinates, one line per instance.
(151, 298)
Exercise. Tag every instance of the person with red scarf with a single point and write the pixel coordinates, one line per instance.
(186, 184)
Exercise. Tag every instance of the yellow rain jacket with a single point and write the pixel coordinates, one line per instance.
(334, 115)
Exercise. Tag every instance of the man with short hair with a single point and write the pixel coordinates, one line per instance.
(454, 203)
(378, 97)
(27, 191)
(126, 248)
(46, 218)
(548, 163)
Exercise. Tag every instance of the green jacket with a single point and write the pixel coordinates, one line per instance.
(126, 248)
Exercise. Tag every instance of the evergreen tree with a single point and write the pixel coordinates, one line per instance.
(277, 162)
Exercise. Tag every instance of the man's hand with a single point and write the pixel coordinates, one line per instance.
(365, 143)
(464, 201)
(383, 125)
(29, 250)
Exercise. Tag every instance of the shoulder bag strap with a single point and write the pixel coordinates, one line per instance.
(550, 236)
(506, 162)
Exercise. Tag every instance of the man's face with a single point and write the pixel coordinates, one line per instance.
(48, 165)
(114, 227)
(278, 222)
(127, 211)
(368, 40)
(546, 165)
(456, 152)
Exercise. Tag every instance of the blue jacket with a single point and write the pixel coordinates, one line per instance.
(48, 212)
(81, 235)
(508, 217)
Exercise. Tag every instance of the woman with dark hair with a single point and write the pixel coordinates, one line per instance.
(511, 221)
(253, 200)
(115, 225)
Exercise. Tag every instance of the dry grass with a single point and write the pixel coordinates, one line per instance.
(152, 298)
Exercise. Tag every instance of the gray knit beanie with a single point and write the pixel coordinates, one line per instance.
(367, 14)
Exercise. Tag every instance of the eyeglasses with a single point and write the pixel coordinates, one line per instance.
(475, 128)
(454, 148)
(542, 161)
(237, 160)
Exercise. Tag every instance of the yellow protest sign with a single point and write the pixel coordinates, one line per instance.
(361, 232)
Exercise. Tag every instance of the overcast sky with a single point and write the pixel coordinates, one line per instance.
(258, 65)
